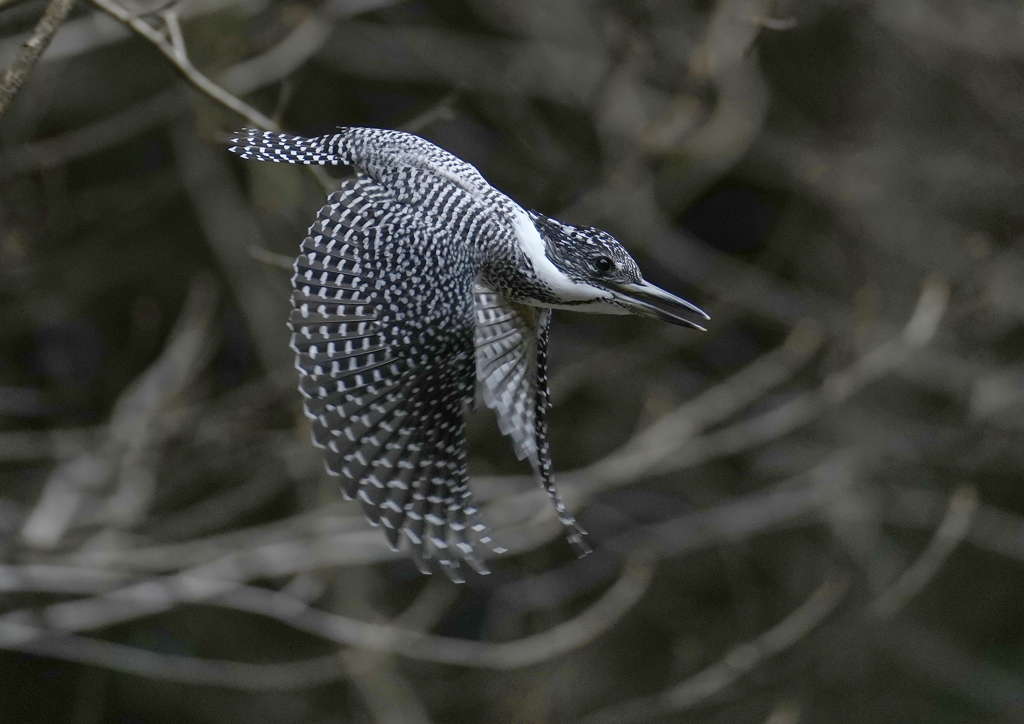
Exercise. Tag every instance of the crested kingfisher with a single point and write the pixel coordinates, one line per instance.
(417, 285)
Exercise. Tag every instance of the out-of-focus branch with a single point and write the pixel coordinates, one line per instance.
(474, 62)
(91, 32)
(792, 503)
(174, 52)
(357, 546)
(287, 56)
(940, 660)
(56, 579)
(23, 445)
(745, 434)
(987, 29)
(48, 152)
(216, 511)
(19, 71)
(722, 61)
(138, 419)
(672, 431)
(835, 390)
(46, 632)
(739, 662)
(328, 536)
(229, 227)
(852, 515)
(954, 527)
(171, 44)
(251, 74)
(179, 669)
(388, 693)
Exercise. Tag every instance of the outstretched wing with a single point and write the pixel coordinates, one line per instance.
(383, 327)
(506, 366)
(511, 369)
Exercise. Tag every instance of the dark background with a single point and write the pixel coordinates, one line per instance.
(811, 513)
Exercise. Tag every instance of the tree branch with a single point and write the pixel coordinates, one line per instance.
(49, 632)
(20, 70)
(737, 663)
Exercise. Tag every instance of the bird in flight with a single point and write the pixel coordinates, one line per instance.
(418, 284)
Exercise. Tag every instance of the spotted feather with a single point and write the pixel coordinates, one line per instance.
(387, 367)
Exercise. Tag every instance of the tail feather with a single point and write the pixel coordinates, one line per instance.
(377, 152)
(257, 145)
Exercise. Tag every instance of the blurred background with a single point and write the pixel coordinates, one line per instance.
(811, 513)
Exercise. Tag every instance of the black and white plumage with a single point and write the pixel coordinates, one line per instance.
(417, 283)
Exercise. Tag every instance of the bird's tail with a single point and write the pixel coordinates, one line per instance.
(257, 145)
(541, 460)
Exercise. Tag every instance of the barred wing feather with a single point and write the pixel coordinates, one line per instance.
(511, 367)
(387, 368)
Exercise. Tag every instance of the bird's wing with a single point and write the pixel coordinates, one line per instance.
(511, 369)
(383, 327)
(506, 366)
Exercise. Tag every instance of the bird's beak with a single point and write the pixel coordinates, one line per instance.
(638, 298)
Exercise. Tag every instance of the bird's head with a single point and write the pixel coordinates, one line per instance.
(603, 277)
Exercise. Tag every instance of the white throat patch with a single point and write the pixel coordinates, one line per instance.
(533, 246)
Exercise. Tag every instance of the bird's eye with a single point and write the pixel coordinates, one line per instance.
(603, 264)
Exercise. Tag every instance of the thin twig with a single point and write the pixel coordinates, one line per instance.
(954, 528)
(837, 388)
(26, 445)
(57, 579)
(112, 130)
(739, 662)
(50, 631)
(173, 47)
(226, 219)
(138, 420)
(180, 61)
(174, 36)
(21, 68)
(271, 258)
(280, 61)
(388, 693)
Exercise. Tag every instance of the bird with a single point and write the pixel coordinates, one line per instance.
(419, 289)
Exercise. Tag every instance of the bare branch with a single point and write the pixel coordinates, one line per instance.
(743, 435)
(178, 57)
(20, 70)
(287, 56)
(174, 36)
(135, 425)
(229, 227)
(22, 445)
(739, 662)
(279, 261)
(56, 579)
(671, 433)
(388, 693)
(954, 527)
(580, 484)
(46, 632)
(49, 152)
